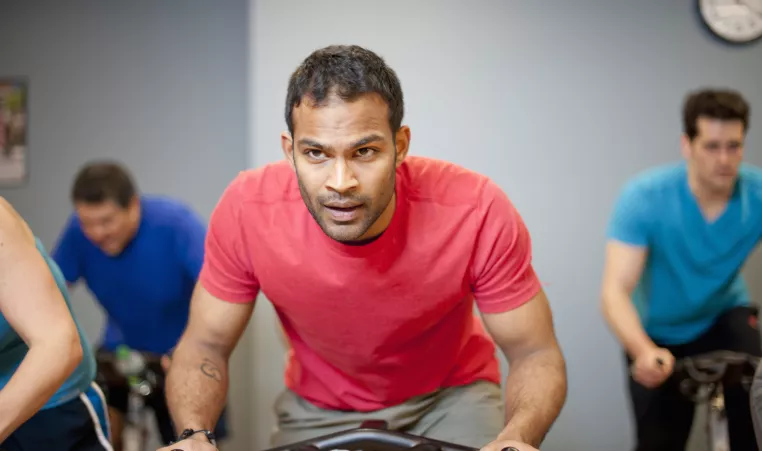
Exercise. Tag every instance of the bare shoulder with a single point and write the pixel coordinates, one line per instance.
(12, 225)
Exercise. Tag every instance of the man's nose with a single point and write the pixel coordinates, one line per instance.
(97, 233)
(342, 177)
(725, 156)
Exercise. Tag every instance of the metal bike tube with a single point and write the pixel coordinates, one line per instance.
(717, 422)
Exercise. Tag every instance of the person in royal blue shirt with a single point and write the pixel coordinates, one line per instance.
(140, 256)
(672, 286)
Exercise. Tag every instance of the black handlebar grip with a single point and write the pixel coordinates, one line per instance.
(425, 447)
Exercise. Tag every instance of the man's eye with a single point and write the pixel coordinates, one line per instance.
(316, 154)
(365, 152)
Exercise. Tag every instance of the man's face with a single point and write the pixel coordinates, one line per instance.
(345, 157)
(107, 225)
(716, 153)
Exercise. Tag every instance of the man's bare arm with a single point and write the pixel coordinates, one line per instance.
(623, 267)
(34, 307)
(197, 381)
(536, 385)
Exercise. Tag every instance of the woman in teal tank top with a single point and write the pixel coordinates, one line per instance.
(48, 399)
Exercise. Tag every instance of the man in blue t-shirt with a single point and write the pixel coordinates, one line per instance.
(140, 256)
(48, 399)
(677, 240)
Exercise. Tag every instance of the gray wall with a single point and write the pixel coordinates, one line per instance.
(560, 102)
(159, 85)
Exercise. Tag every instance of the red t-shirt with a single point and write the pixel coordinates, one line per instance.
(371, 326)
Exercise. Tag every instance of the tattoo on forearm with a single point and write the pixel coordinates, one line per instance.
(211, 370)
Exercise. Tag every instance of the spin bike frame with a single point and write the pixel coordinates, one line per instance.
(702, 379)
(150, 380)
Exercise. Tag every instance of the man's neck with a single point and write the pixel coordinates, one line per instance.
(363, 241)
(711, 202)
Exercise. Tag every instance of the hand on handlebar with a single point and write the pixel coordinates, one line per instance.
(166, 360)
(652, 367)
(191, 444)
(508, 445)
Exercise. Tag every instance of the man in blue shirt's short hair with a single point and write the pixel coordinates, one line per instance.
(672, 286)
(140, 256)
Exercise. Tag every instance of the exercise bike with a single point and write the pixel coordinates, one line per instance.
(142, 375)
(702, 378)
(372, 436)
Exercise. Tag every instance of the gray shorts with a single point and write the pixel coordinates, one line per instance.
(471, 415)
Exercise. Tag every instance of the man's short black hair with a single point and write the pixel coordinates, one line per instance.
(103, 181)
(722, 104)
(347, 71)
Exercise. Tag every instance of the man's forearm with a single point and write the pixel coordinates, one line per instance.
(535, 393)
(623, 319)
(42, 372)
(197, 385)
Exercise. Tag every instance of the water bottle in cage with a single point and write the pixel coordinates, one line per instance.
(132, 366)
(128, 362)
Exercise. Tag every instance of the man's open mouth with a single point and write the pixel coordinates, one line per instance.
(343, 213)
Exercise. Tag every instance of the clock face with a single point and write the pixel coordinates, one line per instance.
(737, 21)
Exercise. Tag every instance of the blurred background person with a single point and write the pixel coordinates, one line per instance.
(140, 256)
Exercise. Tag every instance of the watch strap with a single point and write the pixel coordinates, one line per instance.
(187, 433)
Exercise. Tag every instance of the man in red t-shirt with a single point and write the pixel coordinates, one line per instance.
(373, 260)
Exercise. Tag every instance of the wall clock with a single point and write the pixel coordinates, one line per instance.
(734, 21)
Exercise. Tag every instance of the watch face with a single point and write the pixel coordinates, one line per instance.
(737, 21)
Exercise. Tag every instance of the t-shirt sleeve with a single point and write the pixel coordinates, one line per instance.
(502, 275)
(630, 220)
(67, 251)
(190, 243)
(227, 273)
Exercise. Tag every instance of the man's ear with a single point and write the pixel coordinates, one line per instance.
(685, 145)
(287, 144)
(134, 203)
(402, 143)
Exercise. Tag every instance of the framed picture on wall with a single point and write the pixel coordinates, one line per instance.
(14, 158)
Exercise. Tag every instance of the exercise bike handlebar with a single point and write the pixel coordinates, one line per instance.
(712, 366)
(702, 376)
(149, 370)
(372, 436)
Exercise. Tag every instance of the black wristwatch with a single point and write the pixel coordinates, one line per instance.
(189, 432)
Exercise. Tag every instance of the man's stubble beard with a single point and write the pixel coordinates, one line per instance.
(368, 222)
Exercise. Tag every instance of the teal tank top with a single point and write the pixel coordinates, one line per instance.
(13, 349)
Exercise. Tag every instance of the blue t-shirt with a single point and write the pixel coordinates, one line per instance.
(112, 336)
(13, 349)
(145, 290)
(692, 272)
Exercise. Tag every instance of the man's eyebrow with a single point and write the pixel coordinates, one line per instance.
(309, 142)
(367, 140)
